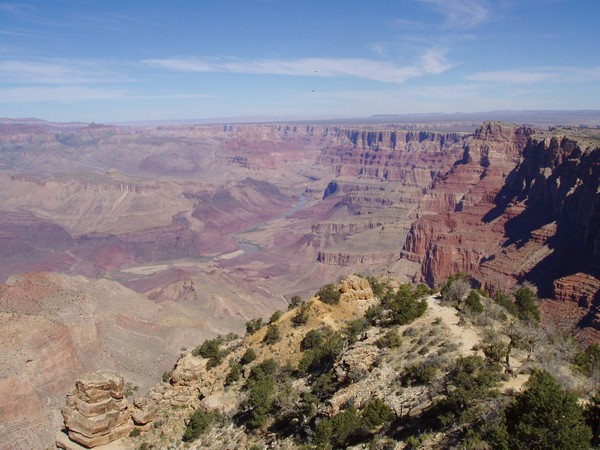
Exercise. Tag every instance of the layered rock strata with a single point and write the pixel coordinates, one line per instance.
(96, 412)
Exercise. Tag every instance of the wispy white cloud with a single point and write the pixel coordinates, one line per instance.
(378, 47)
(59, 71)
(433, 62)
(461, 13)
(538, 75)
(63, 94)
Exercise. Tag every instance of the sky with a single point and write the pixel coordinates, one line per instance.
(125, 60)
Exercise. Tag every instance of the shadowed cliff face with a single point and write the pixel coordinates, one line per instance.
(558, 182)
(520, 205)
(450, 234)
(557, 185)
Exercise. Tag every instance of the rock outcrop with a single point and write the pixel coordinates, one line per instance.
(96, 412)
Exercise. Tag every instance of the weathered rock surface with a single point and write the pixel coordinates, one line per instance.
(96, 412)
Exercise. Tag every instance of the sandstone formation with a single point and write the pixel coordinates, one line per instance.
(96, 412)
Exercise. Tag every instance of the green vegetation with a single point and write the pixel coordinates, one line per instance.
(273, 334)
(248, 357)
(391, 339)
(320, 359)
(355, 328)
(399, 307)
(376, 413)
(526, 302)
(276, 316)
(253, 325)
(420, 373)
(506, 302)
(473, 302)
(455, 398)
(301, 316)
(198, 423)
(329, 294)
(211, 351)
(235, 372)
(588, 361)
(295, 301)
(469, 385)
(543, 417)
(312, 339)
(261, 385)
(351, 425)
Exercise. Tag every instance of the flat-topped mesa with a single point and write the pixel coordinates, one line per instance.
(97, 412)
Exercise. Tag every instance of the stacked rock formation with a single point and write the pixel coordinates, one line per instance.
(97, 412)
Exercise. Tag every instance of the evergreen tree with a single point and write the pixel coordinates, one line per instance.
(545, 416)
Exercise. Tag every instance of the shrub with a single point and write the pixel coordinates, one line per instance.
(261, 385)
(198, 423)
(166, 376)
(248, 357)
(545, 416)
(295, 301)
(325, 386)
(380, 288)
(273, 335)
(463, 280)
(276, 316)
(135, 432)
(322, 358)
(496, 351)
(339, 430)
(591, 413)
(374, 314)
(312, 339)
(329, 294)
(209, 350)
(301, 316)
(234, 374)
(469, 384)
(588, 361)
(253, 325)
(455, 291)
(506, 302)
(526, 302)
(391, 339)
(266, 369)
(420, 373)
(473, 302)
(356, 327)
(406, 308)
(376, 413)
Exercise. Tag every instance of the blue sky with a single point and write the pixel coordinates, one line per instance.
(150, 60)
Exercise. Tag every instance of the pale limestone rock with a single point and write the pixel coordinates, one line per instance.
(96, 413)
(143, 410)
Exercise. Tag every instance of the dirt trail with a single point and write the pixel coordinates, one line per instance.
(466, 336)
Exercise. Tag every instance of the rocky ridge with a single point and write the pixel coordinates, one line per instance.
(365, 370)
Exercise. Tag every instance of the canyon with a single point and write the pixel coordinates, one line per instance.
(122, 245)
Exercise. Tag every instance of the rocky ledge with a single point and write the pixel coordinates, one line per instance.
(97, 412)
